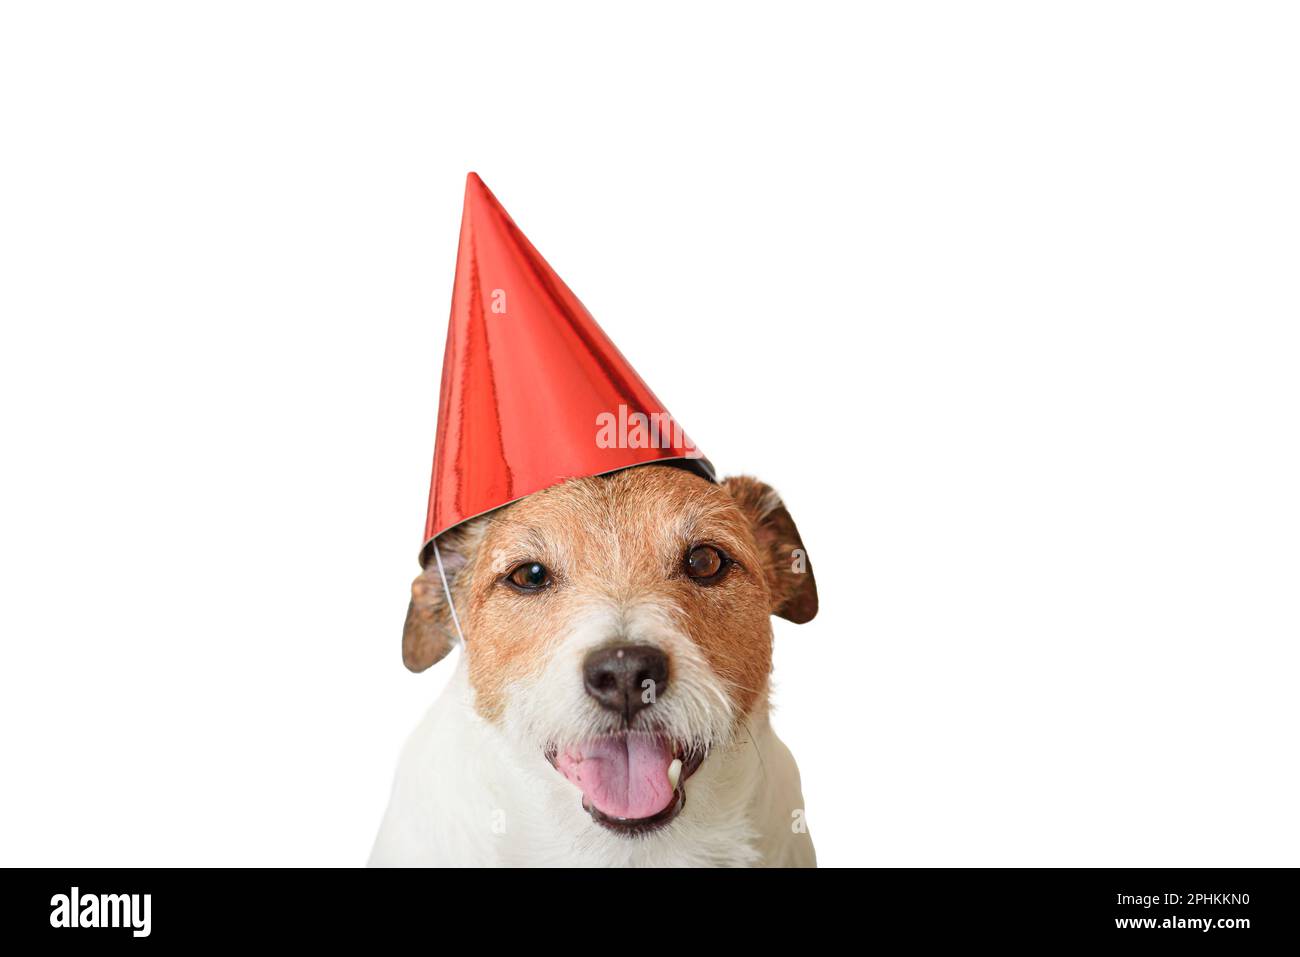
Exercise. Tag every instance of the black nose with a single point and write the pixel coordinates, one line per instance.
(626, 678)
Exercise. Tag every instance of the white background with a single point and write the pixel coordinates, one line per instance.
(1004, 301)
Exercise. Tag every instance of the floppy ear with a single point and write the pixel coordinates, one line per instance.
(429, 632)
(786, 566)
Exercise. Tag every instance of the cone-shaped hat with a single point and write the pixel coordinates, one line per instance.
(533, 392)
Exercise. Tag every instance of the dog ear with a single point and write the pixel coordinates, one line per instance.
(786, 566)
(429, 632)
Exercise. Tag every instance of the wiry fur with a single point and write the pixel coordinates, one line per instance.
(474, 787)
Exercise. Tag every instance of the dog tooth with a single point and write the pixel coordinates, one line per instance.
(674, 773)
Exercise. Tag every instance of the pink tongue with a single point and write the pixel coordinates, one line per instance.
(622, 777)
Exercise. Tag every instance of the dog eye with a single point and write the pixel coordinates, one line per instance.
(530, 576)
(705, 564)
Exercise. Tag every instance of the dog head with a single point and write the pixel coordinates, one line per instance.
(618, 625)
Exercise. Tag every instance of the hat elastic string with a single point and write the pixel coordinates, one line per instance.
(437, 557)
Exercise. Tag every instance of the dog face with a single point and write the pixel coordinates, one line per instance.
(619, 625)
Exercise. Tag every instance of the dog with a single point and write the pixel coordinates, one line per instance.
(610, 708)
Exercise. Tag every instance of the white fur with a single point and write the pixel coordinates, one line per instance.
(470, 792)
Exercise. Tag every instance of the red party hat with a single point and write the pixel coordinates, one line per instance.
(533, 392)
